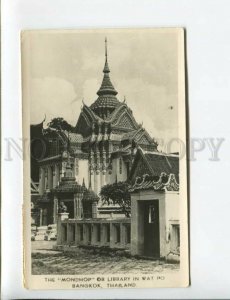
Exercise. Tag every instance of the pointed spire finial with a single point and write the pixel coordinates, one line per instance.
(106, 54)
(106, 88)
(106, 67)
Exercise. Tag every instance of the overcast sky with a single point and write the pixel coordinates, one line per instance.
(63, 68)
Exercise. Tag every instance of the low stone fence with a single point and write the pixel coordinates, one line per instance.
(112, 233)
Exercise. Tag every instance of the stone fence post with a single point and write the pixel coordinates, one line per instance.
(61, 217)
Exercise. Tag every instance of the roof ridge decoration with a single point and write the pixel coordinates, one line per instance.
(160, 153)
(146, 135)
(164, 183)
(86, 118)
(145, 159)
(140, 129)
(172, 184)
(138, 154)
(64, 138)
(90, 112)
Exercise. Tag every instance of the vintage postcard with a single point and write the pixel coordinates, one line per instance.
(105, 178)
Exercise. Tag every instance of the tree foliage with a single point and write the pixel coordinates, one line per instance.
(60, 124)
(118, 193)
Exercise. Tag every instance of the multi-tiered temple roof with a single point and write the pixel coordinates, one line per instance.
(106, 120)
(110, 119)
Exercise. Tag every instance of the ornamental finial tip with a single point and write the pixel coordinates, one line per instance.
(106, 54)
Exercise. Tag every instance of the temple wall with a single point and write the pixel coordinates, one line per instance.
(172, 221)
(172, 207)
(119, 170)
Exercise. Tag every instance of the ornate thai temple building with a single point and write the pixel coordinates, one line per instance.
(106, 146)
(100, 151)
(109, 134)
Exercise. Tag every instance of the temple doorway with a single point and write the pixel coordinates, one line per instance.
(150, 223)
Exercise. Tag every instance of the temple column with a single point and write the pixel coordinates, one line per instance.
(98, 171)
(122, 235)
(96, 177)
(94, 229)
(94, 210)
(91, 169)
(103, 178)
(109, 175)
(78, 209)
(109, 164)
(57, 175)
(76, 169)
(41, 217)
(103, 174)
(117, 168)
(46, 178)
(54, 175)
(75, 206)
(50, 178)
(41, 180)
(96, 168)
(55, 209)
(91, 174)
(62, 169)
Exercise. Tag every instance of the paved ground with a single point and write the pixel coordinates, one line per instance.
(86, 262)
(43, 247)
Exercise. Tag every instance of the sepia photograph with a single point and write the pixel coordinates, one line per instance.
(115, 149)
(105, 185)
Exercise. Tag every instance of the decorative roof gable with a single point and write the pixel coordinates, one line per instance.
(85, 121)
(125, 121)
(123, 118)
